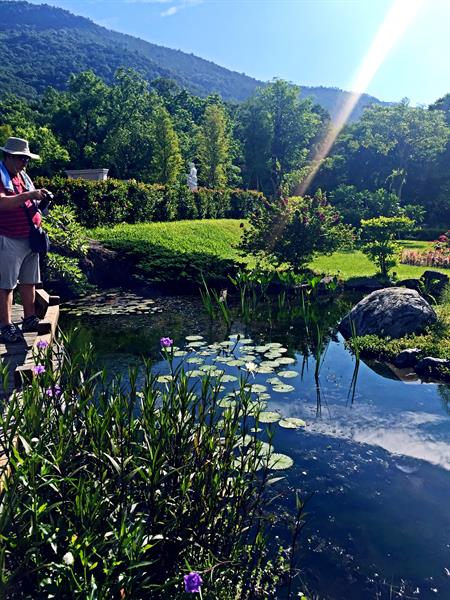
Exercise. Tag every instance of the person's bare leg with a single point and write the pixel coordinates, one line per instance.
(6, 306)
(27, 293)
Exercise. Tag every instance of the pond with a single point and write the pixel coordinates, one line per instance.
(373, 459)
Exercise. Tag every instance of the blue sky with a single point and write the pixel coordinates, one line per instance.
(310, 42)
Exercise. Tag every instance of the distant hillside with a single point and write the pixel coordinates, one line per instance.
(41, 46)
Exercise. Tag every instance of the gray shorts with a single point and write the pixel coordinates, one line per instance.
(17, 263)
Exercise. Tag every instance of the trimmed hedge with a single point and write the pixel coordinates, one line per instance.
(113, 201)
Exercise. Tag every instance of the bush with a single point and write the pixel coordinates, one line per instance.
(292, 230)
(113, 201)
(114, 494)
(378, 235)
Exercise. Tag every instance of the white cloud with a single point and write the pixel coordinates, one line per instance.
(172, 10)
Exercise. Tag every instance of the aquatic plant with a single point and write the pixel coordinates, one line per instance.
(111, 490)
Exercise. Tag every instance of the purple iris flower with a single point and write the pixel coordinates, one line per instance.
(166, 342)
(193, 582)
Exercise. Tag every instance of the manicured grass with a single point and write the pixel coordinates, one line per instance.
(356, 264)
(209, 236)
(219, 238)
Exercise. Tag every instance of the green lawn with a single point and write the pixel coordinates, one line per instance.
(219, 238)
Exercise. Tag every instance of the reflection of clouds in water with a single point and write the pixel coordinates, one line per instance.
(403, 433)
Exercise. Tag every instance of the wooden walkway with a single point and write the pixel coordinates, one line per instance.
(19, 356)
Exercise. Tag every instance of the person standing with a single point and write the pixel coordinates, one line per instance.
(18, 263)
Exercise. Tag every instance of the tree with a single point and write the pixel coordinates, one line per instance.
(167, 162)
(213, 146)
(279, 128)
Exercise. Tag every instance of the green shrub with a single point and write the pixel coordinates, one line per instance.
(292, 230)
(113, 201)
(378, 235)
(117, 494)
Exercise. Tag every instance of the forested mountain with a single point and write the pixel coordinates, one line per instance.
(41, 46)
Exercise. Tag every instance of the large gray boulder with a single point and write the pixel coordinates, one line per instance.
(392, 312)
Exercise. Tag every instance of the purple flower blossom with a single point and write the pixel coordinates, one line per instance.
(38, 369)
(193, 582)
(53, 392)
(42, 344)
(166, 342)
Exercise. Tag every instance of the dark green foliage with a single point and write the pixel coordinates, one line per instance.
(292, 230)
(112, 201)
(354, 204)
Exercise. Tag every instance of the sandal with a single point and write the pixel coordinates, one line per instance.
(10, 334)
(30, 323)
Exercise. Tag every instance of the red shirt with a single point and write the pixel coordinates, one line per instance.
(14, 222)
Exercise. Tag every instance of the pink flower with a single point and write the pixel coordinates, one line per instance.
(28, 203)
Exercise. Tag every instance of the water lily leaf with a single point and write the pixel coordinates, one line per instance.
(248, 358)
(292, 423)
(236, 363)
(180, 353)
(264, 396)
(246, 341)
(255, 429)
(272, 355)
(195, 360)
(261, 349)
(288, 374)
(205, 353)
(269, 417)
(273, 364)
(194, 338)
(274, 381)
(226, 402)
(286, 360)
(226, 343)
(223, 359)
(228, 378)
(164, 378)
(256, 387)
(216, 372)
(264, 370)
(194, 373)
(196, 344)
(283, 388)
(208, 368)
(274, 345)
(278, 462)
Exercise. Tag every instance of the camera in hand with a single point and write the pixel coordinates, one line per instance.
(46, 201)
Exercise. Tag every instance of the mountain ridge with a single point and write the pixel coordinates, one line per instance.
(53, 43)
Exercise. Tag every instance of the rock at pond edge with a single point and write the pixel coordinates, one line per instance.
(393, 312)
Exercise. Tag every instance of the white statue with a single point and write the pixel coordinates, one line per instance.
(192, 177)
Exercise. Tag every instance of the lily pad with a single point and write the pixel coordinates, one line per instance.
(180, 353)
(261, 349)
(208, 368)
(269, 417)
(228, 378)
(195, 360)
(226, 403)
(283, 388)
(236, 363)
(292, 423)
(274, 381)
(194, 373)
(264, 370)
(194, 338)
(279, 462)
(273, 364)
(256, 387)
(164, 378)
(288, 374)
(196, 344)
(286, 360)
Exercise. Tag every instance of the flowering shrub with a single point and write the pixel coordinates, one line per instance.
(294, 229)
(439, 256)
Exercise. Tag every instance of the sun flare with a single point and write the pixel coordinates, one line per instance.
(397, 20)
